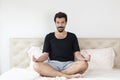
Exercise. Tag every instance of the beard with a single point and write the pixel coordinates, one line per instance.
(60, 29)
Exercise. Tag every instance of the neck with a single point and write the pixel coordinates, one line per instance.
(60, 35)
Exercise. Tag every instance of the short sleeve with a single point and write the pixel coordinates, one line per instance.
(75, 44)
(46, 46)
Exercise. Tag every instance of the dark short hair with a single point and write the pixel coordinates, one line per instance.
(60, 15)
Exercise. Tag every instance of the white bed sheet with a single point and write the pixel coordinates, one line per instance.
(19, 74)
(114, 73)
(27, 74)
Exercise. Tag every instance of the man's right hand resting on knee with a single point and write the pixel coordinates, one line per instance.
(42, 58)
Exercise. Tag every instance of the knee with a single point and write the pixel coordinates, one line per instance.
(83, 65)
(36, 66)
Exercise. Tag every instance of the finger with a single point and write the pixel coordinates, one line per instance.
(34, 59)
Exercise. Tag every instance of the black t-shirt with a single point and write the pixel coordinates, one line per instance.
(61, 49)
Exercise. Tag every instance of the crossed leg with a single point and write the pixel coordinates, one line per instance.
(47, 70)
(76, 67)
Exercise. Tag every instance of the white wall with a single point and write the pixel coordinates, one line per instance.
(0, 33)
(34, 18)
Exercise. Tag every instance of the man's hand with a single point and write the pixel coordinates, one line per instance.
(42, 58)
(35, 59)
(81, 57)
(87, 58)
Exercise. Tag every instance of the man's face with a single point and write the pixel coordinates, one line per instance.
(60, 24)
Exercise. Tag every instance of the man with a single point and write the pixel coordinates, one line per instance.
(61, 47)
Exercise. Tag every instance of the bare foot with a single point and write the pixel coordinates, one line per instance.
(73, 76)
(77, 76)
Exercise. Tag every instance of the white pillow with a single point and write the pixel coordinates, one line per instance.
(34, 51)
(100, 58)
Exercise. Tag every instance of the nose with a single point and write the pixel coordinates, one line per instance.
(60, 24)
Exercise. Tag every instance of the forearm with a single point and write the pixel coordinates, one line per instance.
(43, 57)
(78, 56)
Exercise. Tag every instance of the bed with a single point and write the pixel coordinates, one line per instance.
(20, 61)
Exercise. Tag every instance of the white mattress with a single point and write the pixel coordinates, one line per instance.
(27, 74)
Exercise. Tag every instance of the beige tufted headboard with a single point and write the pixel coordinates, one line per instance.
(19, 47)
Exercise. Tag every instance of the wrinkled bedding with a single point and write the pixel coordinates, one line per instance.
(28, 74)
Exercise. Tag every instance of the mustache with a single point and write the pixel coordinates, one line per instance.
(60, 27)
